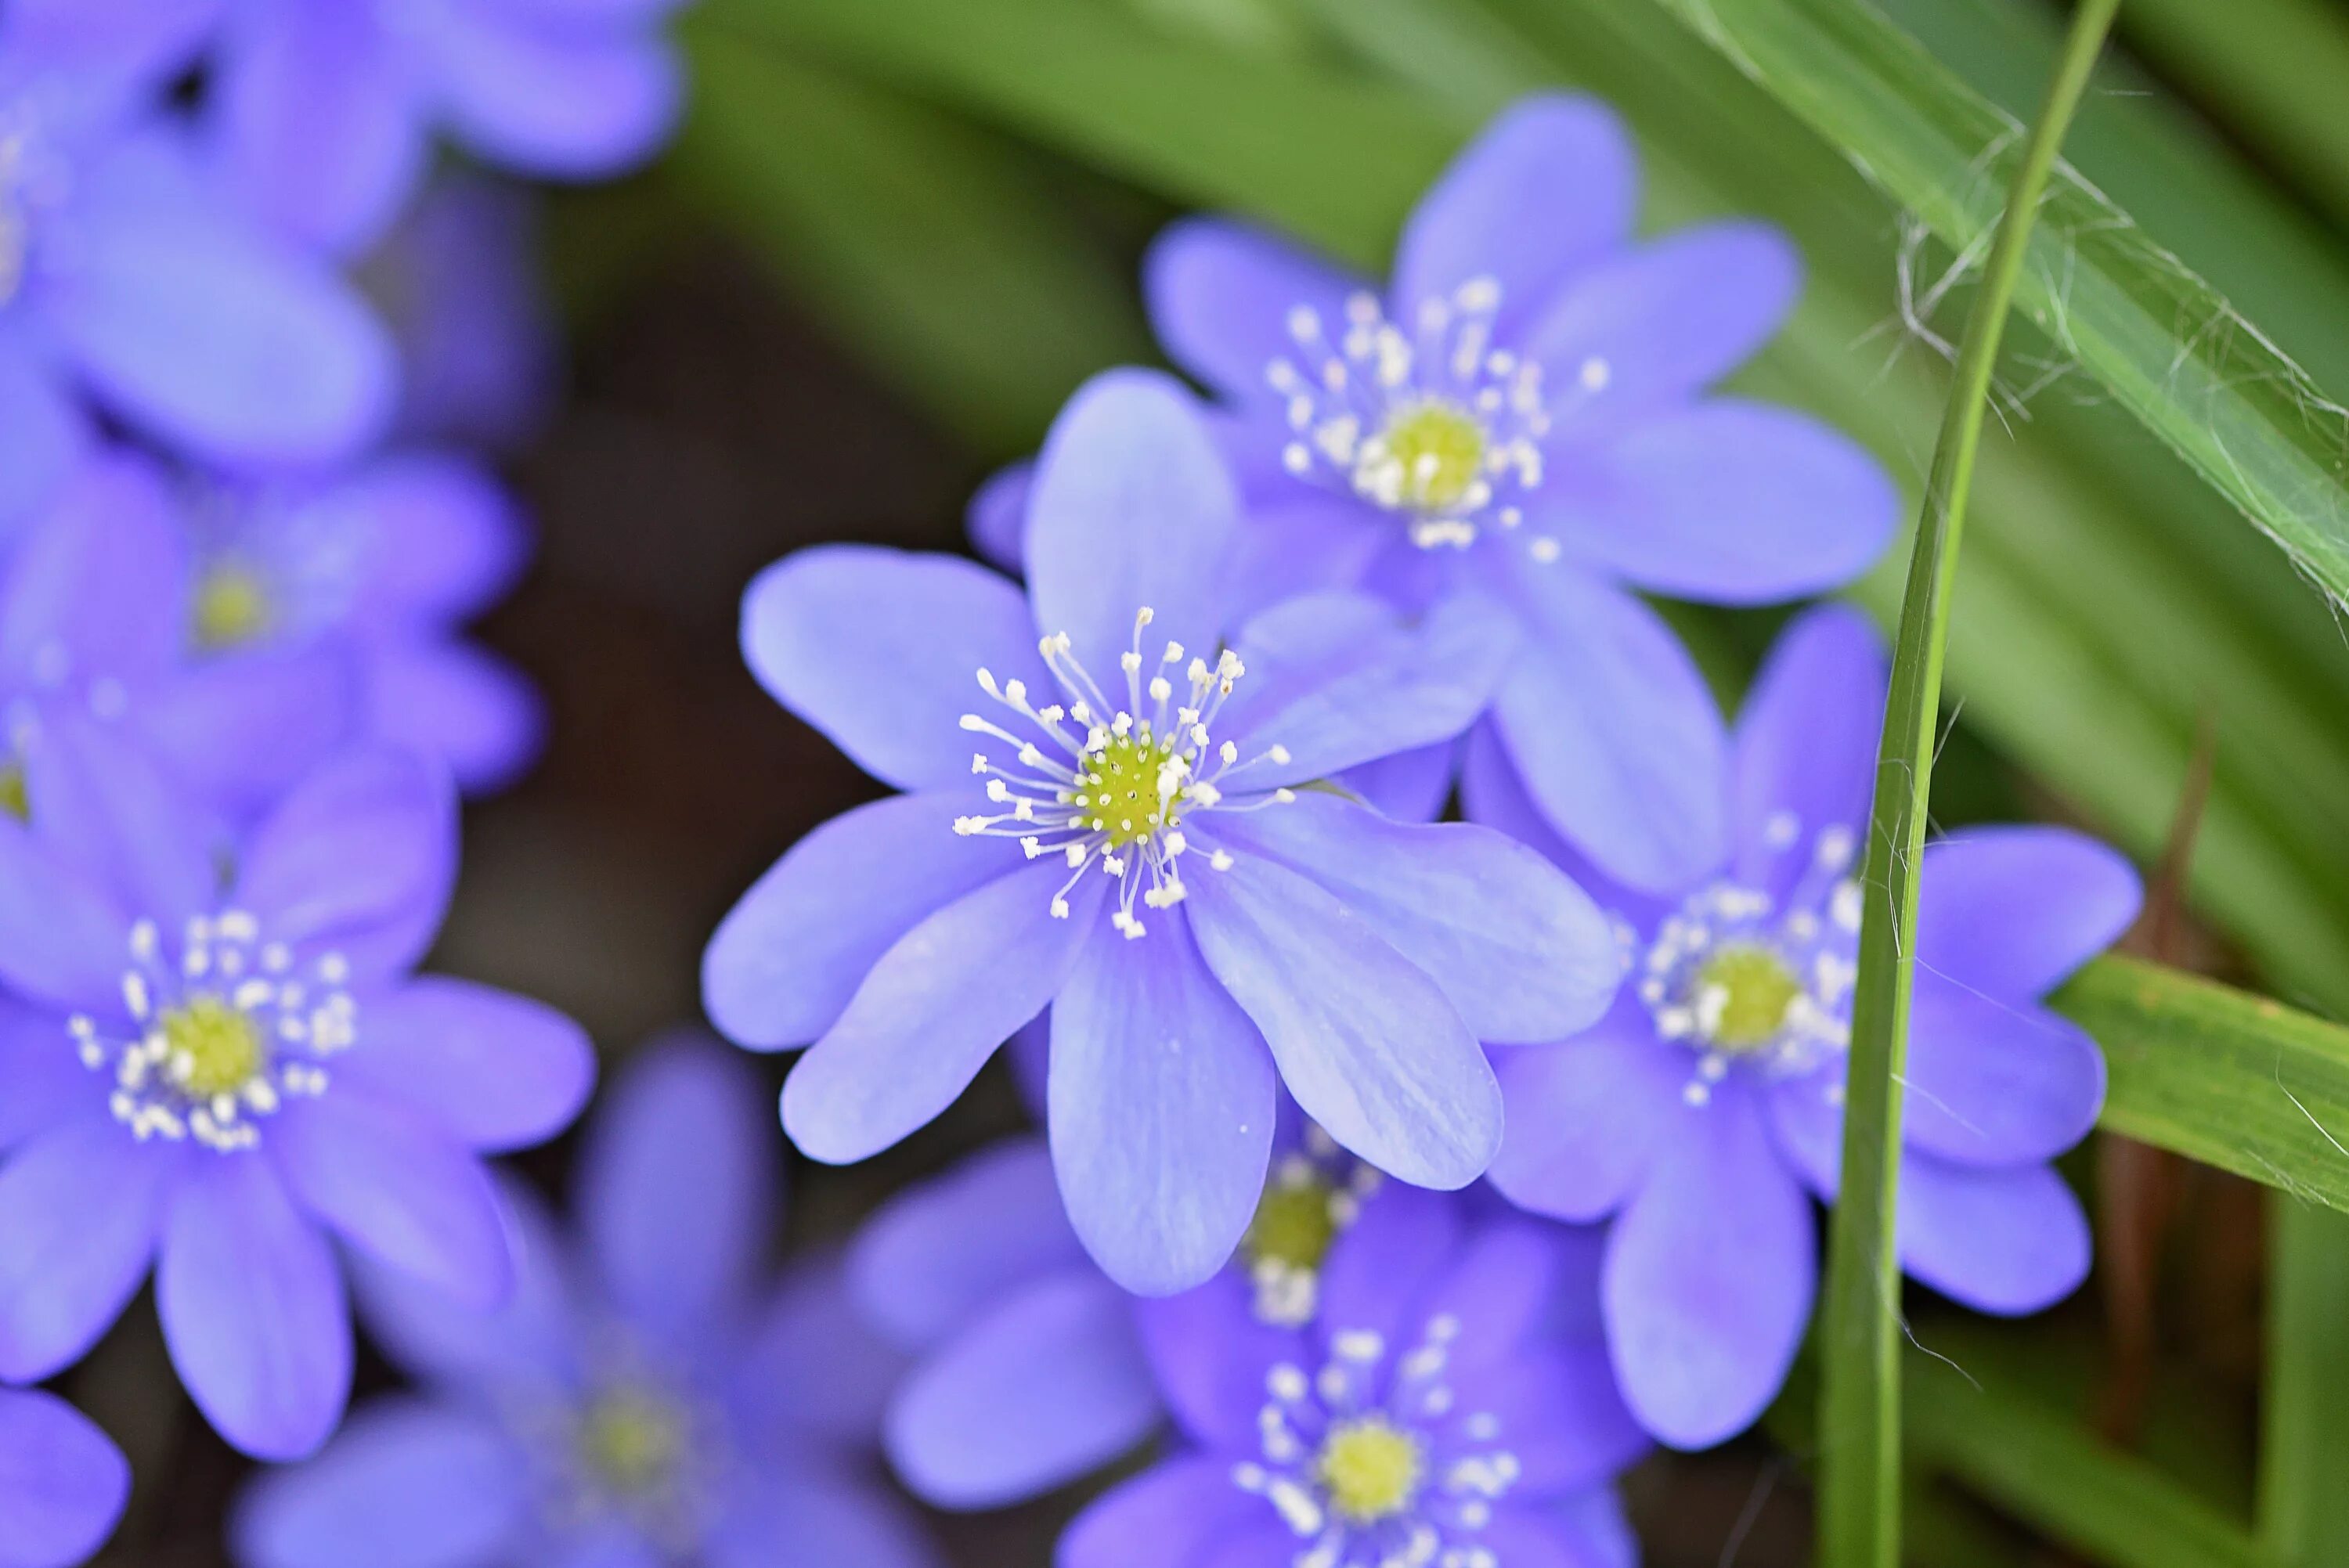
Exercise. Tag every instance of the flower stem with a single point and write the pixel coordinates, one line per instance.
(1860, 1479)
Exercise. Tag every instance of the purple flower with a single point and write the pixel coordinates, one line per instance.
(1451, 1392)
(1151, 865)
(95, 628)
(125, 280)
(647, 1398)
(213, 1060)
(1523, 416)
(1699, 1112)
(458, 280)
(384, 561)
(62, 1484)
(324, 111)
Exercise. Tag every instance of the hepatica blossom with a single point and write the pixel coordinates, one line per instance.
(1449, 1402)
(1109, 811)
(1699, 1112)
(62, 1484)
(126, 283)
(383, 563)
(324, 111)
(648, 1397)
(213, 1060)
(1522, 414)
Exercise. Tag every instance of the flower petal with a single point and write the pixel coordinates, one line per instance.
(96, 586)
(253, 1310)
(790, 955)
(1996, 1083)
(496, 1070)
(536, 1337)
(1161, 1110)
(1367, 1041)
(1665, 320)
(62, 940)
(1523, 953)
(1379, 1269)
(932, 1011)
(1208, 1355)
(816, 1368)
(1559, 1413)
(1803, 759)
(2007, 1241)
(1709, 1275)
(244, 730)
(44, 438)
(1549, 186)
(1049, 1386)
(1615, 733)
(361, 857)
(195, 326)
(808, 1516)
(1220, 293)
(62, 1483)
(318, 121)
(937, 1253)
(566, 103)
(445, 540)
(1161, 1518)
(997, 520)
(1408, 786)
(42, 1080)
(404, 1485)
(880, 649)
(1585, 1117)
(1494, 794)
(450, 699)
(1132, 509)
(2012, 912)
(675, 1188)
(80, 1206)
(396, 1189)
(1725, 502)
(1338, 680)
(104, 806)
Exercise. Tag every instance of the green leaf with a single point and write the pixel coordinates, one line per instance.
(2039, 1466)
(1859, 1492)
(925, 242)
(2303, 1508)
(2168, 347)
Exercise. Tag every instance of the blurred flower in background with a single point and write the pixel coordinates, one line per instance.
(62, 1484)
(651, 1396)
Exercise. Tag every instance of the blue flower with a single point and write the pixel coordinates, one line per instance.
(94, 629)
(1150, 864)
(1450, 1394)
(323, 110)
(384, 561)
(647, 1399)
(62, 1484)
(1699, 1112)
(125, 282)
(212, 1059)
(1524, 414)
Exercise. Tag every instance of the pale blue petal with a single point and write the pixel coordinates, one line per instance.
(404, 1485)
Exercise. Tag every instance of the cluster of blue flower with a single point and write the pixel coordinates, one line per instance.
(1409, 1177)
(244, 515)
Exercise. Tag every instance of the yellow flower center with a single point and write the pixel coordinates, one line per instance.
(1755, 989)
(1293, 1225)
(15, 799)
(1440, 449)
(1121, 788)
(1371, 1470)
(633, 1442)
(232, 608)
(215, 1048)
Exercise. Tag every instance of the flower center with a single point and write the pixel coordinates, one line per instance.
(1433, 423)
(214, 1048)
(1438, 451)
(1371, 1470)
(223, 1032)
(1746, 990)
(1102, 783)
(1133, 788)
(633, 1442)
(16, 800)
(1294, 1224)
(232, 607)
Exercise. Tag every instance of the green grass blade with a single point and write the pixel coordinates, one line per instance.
(2042, 1467)
(2304, 1507)
(1860, 1498)
(2171, 350)
(2220, 1076)
(924, 242)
